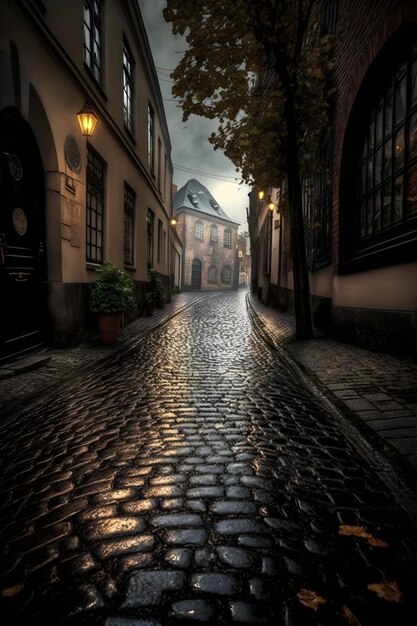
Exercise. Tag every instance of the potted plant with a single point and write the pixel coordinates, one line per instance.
(158, 289)
(112, 293)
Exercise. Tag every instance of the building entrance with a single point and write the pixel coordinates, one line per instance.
(196, 275)
(22, 245)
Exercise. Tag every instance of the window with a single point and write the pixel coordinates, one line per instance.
(317, 206)
(128, 67)
(149, 238)
(213, 234)
(212, 274)
(158, 254)
(227, 238)
(378, 183)
(388, 157)
(92, 37)
(328, 17)
(226, 274)
(94, 207)
(151, 122)
(129, 222)
(266, 233)
(159, 164)
(199, 230)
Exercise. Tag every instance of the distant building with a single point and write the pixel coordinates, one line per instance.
(360, 207)
(209, 239)
(69, 202)
(244, 259)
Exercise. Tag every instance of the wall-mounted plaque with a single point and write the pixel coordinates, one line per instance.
(72, 153)
(20, 221)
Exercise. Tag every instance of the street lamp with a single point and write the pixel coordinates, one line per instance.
(87, 119)
(173, 221)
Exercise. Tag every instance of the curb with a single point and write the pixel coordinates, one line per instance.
(368, 444)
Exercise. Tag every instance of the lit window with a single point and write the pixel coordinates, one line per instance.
(92, 37)
(388, 157)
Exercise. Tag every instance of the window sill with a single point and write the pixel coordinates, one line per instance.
(401, 249)
(89, 265)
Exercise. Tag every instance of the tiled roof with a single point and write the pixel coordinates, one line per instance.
(193, 195)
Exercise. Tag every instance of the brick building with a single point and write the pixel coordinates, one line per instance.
(361, 209)
(209, 239)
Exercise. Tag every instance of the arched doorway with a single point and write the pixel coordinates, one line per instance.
(196, 275)
(22, 245)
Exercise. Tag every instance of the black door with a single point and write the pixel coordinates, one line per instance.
(196, 275)
(22, 248)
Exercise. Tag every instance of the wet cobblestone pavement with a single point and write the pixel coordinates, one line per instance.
(193, 480)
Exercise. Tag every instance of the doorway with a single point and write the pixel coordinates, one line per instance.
(196, 275)
(22, 244)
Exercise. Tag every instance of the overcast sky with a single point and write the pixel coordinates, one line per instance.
(190, 147)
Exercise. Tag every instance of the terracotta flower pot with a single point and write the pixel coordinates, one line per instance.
(108, 325)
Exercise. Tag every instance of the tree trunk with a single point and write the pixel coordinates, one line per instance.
(302, 302)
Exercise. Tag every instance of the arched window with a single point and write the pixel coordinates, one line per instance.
(212, 274)
(199, 230)
(226, 274)
(213, 234)
(227, 238)
(388, 182)
(379, 172)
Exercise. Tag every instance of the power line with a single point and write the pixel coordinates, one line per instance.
(207, 174)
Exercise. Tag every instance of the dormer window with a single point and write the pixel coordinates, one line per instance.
(193, 199)
(215, 206)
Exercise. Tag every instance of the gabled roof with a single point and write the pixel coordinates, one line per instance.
(196, 197)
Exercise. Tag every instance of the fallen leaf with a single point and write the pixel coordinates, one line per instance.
(388, 590)
(377, 543)
(356, 531)
(360, 531)
(351, 618)
(11, 591)
(310, 599)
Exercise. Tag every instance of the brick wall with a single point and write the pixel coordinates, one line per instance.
(364, 26)
(209, 254)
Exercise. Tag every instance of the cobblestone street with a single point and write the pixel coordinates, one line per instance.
(192, 479)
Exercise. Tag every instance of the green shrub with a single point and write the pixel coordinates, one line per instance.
(112, 290)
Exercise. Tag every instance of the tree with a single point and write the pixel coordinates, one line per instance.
(259, 67)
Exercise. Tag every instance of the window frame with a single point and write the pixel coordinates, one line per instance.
(151, 137)
(227, 234)
(199, 226)
(129, 226)
(395, 243)
(317, 210)
(95, 193)
(92, 8)
(228, 269)
(150, 216)
(128, 86)
(212, 280)
(214, 233)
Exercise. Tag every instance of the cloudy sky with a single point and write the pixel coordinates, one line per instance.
(193, 156)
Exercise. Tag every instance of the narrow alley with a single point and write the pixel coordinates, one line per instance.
(192, 479)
